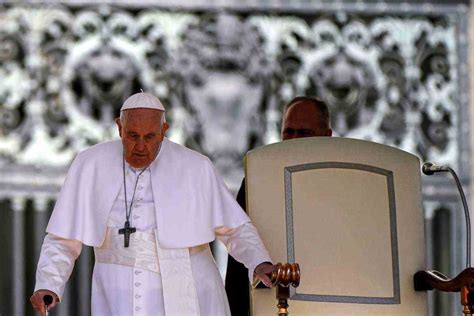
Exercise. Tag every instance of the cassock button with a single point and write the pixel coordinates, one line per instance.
(137, 205)
(137, 284)
(137, 296)
(140, 187)
(138, 308)
(136, 217)
(137, 272)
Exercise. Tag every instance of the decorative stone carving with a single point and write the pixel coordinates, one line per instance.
(224, 77)
(223, 74)
(394, 73)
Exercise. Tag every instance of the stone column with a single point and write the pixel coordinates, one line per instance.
(18, 248)
(84, 265)
(471, 115)
(40, 221)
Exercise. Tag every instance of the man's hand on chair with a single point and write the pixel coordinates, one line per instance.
(263, 272)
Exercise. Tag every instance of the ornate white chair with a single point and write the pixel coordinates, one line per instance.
(349, 212)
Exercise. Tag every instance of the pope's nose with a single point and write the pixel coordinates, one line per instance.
(140, 146)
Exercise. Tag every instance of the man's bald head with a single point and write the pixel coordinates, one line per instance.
(305, 117)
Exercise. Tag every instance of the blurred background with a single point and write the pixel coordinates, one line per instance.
(392, 72)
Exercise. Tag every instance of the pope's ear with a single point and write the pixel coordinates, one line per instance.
(119, 126)
(166, 126)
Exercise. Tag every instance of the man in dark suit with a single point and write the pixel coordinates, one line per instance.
(302, 117)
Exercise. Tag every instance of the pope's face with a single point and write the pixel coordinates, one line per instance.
(303, 121)
(142, 130)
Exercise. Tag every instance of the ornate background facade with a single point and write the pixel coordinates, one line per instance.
(392, 72)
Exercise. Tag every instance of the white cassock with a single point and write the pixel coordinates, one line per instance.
(131, 281)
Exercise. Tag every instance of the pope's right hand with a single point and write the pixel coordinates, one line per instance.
(39, 300)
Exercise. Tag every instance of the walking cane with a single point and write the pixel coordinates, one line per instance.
(47, 299)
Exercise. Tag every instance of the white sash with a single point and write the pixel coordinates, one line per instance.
(141, 254)
(179, 289)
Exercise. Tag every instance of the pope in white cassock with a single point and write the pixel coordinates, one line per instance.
(149, 207)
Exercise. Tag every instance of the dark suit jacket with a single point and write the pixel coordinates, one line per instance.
(236, 279)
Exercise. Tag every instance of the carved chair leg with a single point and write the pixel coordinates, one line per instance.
(467, 301)
(284, 276)
(282, 294)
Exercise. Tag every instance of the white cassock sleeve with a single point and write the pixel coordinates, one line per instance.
(56, 263)
(245, 245)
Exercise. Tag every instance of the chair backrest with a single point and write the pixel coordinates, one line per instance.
(350, 213)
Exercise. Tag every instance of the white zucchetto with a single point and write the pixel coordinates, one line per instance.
(142, 100)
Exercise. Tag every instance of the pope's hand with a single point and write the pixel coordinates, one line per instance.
(39, 300)
(263, 272)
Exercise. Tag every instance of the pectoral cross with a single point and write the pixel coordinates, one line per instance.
(127, 231)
